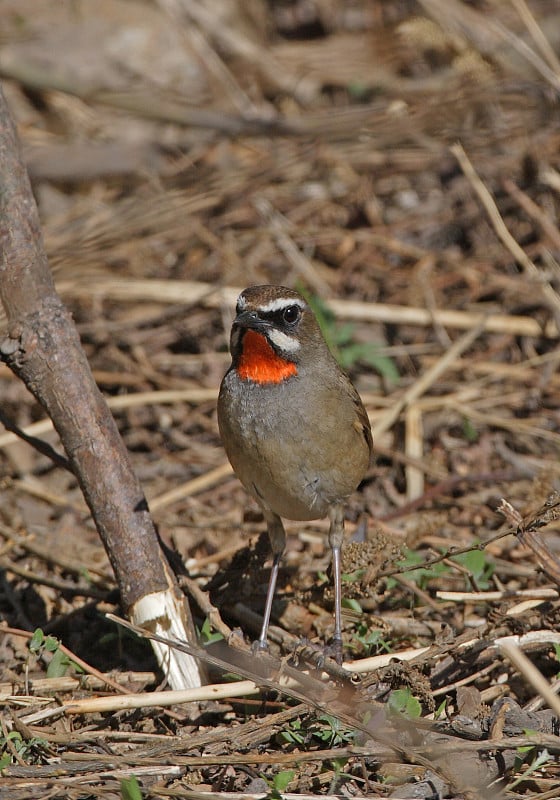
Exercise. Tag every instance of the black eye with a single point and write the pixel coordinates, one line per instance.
(291, 314)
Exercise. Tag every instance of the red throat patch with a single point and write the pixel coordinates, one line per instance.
(260, 363)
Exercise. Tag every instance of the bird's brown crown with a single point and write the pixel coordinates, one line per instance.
(270, 332)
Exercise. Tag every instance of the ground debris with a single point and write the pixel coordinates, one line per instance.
(312, 144)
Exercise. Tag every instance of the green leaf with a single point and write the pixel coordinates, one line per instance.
(422, 575)
(352, 577)
(369, 353)
(329, 729)
(59, 665)
(294, 734)
(402, 701)
(51, 644)
(539, 761)
(469, 431)
(528, 732)
(476, 561)
(37, 640)
(281, 780)
(352, 604)
(208, 635)
(359, 91)
(130, 789)
(338, 765)
(440, 709)
(339, 337)
(370, 639)
(86, 575)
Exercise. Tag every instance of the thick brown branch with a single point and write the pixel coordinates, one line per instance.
(43, 349)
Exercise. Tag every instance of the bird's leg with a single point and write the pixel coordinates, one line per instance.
(336, 536)
(277, 536)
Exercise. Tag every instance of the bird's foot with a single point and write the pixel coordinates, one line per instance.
(259, 646)
(317, 653)
(334, 650)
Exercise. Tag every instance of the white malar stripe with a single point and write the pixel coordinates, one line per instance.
(282, 302)
(284, 342)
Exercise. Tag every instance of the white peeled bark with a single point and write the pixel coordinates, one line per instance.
(163, 613)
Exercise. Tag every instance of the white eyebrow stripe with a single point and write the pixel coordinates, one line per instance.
(286, 343)
(282, 302)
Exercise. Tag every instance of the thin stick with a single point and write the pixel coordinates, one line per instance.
(279, 227)
(428, 378)
(414, 448)
(73, 657)
(551, 297)
(546, 223)
(537, 34)
(192, 292)
(474, 597)
(164, 397)
(531, 674)
(217, 691)
(67, 683)
(198, 484)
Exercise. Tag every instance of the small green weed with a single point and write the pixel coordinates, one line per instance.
(369, 640)
(402, 701)
(279, 783)
(469, 431)
(534, 757)
(421, 575)
(331, 732)
(340, 339)
(326, 729)
(481, 570)
(475, 561)
(294, 734)
(60, 661)
(130, 789)
(208, 635)
(441, 710)
(31, 750)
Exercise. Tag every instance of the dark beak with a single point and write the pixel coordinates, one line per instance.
(250, 319)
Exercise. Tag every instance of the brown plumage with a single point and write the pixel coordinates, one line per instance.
(292, 424)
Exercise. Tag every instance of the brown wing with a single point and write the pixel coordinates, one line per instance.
(362, 424)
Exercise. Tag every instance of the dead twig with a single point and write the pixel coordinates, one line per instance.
(43, 349)
(73, 657)
(528, 532)
(531, 674)
(532, 272)
(428, 378)
(170, 291)
(342, 702)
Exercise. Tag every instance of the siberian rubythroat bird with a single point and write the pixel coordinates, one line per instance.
(292, 424)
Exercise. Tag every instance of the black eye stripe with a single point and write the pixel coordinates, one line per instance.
(282, 316)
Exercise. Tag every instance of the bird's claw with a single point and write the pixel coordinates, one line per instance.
(259, 647)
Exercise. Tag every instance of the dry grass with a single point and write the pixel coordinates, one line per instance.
(440, 264)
